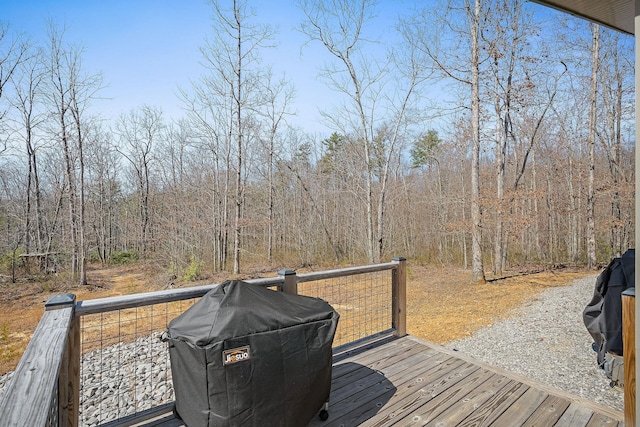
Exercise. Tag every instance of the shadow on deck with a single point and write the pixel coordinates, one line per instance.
(408, 381)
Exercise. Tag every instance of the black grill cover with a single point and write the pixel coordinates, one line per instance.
(603, 315)
(245, 355)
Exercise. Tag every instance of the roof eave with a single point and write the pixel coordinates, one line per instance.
(617, 14)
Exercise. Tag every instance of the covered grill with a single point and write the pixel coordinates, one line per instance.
(245, 355)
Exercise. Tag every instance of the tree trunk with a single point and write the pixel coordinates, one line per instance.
(270, 201)
(239, 144)
(82, 246)
(501, 145)
(71, 193)
(82, 242)
(476, 213)
(591, 142)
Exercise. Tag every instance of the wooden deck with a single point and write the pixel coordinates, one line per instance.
(408, 381)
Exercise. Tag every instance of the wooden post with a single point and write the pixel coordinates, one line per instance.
(290, 285)
(34, 396)
(70, 408)
(69, 377)
(629, 355)
(399, 297)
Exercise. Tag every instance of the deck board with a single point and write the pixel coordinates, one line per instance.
(410, 382)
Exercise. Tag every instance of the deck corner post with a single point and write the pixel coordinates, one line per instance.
(290, 285)
(69, 375)
(399, 296)
(629, 355)
(59, 301)
(71, 405)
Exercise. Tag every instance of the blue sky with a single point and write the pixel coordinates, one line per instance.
(143, 48)
(146, 49)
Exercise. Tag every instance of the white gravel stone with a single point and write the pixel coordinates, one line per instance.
(547, 341)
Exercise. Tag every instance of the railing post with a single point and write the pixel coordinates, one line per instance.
(399, 296)
(69, 377)
(34, 396)
(629, 355)
(290, 285)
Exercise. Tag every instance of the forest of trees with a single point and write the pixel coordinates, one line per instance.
(479, 135)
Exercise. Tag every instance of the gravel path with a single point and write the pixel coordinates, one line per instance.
(547, 341)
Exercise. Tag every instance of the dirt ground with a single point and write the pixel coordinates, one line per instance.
(442, 304)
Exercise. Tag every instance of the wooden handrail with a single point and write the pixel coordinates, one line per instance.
(348, 271)
(33, 398)
(103, 305)
(150, 298)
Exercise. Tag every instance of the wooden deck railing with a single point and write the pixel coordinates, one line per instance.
(45, 387)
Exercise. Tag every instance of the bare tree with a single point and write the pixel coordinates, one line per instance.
(464, 21)
(311, 185)
(376, 119)
(233, 56)
(12, 232)
(71, 92)
(177, 205)
(27, 85)
(277, 101)
(525, 86)
(616, 76)
(138, 133)
(103, 191)
(591, 144)
(208, 112)
(594, 135)
(234, 179)
(59, 97)
(505, 42)
(13, 51)
(476, 214)
(83, 89)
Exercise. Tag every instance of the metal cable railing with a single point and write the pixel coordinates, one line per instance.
(118, 367)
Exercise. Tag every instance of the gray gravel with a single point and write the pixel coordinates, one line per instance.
(547, 341)
(120, 380)
(123, 379)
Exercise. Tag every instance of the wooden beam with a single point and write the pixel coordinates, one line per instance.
(349, 271)
(629, 354)
(29, 396)
(399, 296)
(69, 380)
(103, 305)
(290, 285)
